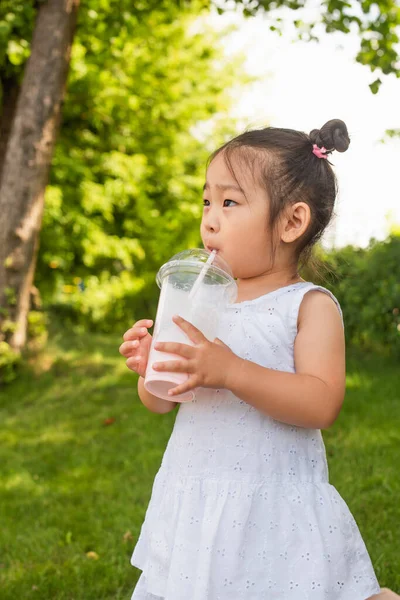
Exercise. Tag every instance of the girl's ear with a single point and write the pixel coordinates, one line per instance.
(295, 222)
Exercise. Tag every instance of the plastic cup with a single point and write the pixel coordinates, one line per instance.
(215, 289)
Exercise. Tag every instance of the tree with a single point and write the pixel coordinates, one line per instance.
(118, 136)
(27, 159)
(126, 174)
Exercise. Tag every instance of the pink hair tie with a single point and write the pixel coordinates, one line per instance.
(320, 152)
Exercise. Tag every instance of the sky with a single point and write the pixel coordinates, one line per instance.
(301, 86)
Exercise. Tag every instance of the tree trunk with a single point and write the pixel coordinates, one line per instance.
(10, 90)
(27, 161)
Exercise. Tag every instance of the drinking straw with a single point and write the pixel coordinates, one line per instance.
(202, 274)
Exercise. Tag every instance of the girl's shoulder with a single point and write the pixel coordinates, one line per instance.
(308, 286)
(297, 298)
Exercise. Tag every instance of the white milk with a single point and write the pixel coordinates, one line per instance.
(202, 311)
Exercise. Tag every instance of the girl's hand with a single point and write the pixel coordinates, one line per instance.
(136, 346)
(207, 363)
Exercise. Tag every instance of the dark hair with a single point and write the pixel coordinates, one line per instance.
(283, 162)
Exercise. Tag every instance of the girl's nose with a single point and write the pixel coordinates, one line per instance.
(213, 228)
(211, 222)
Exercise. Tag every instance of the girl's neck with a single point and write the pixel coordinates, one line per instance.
(249, 289)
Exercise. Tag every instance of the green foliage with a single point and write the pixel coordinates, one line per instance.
(10, 296)
(9, 359)
(376, 21)
(36, 334)
(125, 189)
(366, 281)
(37, 327)
(391, 133)
(17, 18)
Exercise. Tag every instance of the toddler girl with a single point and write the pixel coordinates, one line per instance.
(241, 507)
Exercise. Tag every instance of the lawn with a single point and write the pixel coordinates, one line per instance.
(79, 453)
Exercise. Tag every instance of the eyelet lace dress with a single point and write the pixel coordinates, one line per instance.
(241, 507)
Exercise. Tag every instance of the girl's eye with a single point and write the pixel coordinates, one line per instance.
(205, 201)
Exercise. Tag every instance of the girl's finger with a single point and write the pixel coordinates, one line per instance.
(143, 323)
(191, 331)
(131, 334)
(175, 348)
(134, 334)
(132, 363)
(128, 348)
(137, 331)
(184, 387)
(172, 365)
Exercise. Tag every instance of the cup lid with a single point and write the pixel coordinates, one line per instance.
(193, 261)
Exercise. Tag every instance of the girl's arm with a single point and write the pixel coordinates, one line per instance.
(312, 396)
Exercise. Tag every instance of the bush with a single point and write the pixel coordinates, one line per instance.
(366, 282)
(9, 359)
(104, 303)
(36, 337)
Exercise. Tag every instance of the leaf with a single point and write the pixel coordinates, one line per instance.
(375, 85)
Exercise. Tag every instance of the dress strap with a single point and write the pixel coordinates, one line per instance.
(298, 297)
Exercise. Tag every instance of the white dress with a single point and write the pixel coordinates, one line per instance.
(241, 507)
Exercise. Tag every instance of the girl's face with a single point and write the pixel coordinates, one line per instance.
(235, 224)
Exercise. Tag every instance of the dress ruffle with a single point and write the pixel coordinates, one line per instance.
(213, 539)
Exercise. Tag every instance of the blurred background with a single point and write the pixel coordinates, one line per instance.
(109, 110)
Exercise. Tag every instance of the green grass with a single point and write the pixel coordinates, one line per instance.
(73, 482)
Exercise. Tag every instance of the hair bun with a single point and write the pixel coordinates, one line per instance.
(333, 136)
